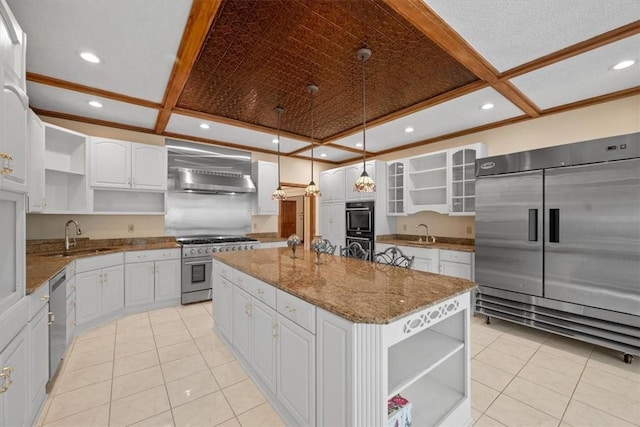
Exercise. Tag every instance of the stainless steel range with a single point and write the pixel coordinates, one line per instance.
(196, 262)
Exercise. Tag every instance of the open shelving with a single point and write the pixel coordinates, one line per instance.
(129, 202)
(428, 182)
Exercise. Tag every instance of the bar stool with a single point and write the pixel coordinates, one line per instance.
(394, 256)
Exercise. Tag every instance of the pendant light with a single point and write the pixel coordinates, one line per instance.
(312, 189)
(364, 184)
(279, 194)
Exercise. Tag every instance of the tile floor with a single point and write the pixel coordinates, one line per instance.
(167, 367)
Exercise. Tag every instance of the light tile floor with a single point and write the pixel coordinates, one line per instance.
(168, 368)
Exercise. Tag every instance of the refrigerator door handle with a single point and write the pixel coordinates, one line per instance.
(554, 225)
(533, 225)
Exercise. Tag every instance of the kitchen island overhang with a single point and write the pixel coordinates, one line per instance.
(346, 335)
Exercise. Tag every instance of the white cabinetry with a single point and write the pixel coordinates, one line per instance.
(352, 173)
(265, 176)
(152, 275)
(71, 300)
(332, 223)
(12, 249)
(456, 264)
(38, 347)
(425, 259)
(396, 197)
(14, 103)
(224, 304)
(14, 368)
(242, 325)
(264, 343)
(332, 185)
(462, 178)
(35, 166)
(100, 286)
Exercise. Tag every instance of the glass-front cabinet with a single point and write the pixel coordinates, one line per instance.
(396, 203)
(12, 249)
(462, 179)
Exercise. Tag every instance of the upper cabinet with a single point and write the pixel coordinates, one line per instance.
(443, 181)
(352, 173)
(14, 103)
(265, 177)
(332, 185)
(122, 164)
(396, 198)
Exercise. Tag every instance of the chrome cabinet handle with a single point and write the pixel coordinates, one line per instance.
(8, 160)
(260, 292)
(44, 298)
(52, 318)
(274, 330)
(290, 309)
(247, 309)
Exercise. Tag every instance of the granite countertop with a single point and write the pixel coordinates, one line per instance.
(267, 237)
(359, 291)
(44, 260)
(453, 244)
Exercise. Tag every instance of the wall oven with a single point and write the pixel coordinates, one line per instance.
(360, 222)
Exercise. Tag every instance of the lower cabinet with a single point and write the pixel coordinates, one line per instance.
(224, 316)
(99, 291)
(38, 358)
(264, 338)
(14, 368)
(440, 261)
(241, 323)
(456, 264)
(151, 276)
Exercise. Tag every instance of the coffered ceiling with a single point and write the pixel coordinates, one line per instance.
(170, 66)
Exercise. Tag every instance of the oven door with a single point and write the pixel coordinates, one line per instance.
(359, 220)
(196, 274)
(366, 243)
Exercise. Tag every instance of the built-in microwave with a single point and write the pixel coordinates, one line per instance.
(360, 218)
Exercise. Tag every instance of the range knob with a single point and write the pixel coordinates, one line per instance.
(192, 251)
(200, 251)
(207, 250)
(214, 250)
(233, 248)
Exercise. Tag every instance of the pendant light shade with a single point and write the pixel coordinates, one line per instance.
(279, 194)
(312, 189)
(365, 183)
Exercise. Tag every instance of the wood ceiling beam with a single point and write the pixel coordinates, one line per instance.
(63, 84)
(238, 123)
(431, 25)
(82, 119)
(625, 93)
(195, 33)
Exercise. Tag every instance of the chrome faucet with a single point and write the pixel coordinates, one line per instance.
(426, 235)
(68, 245)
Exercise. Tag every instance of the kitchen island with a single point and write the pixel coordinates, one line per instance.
(329, 344)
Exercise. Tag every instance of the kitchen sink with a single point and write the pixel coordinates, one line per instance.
(81, 252)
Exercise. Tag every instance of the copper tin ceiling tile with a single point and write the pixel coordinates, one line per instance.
(259, 54)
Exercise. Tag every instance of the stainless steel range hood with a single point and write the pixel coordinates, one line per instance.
(206, 181)
(202, 168)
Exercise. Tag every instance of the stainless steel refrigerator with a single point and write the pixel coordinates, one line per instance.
(558, 240)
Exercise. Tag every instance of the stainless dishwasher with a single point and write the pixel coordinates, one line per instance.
(57, 323)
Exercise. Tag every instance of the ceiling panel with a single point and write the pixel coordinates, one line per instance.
(583, 76)
(187, 125)
(455, 115)
(49, 98)
(509, 33)
(137, 41)
(332, 154)
(263, 53)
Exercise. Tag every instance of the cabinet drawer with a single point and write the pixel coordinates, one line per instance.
(38, 299)
(151, 255)
(301, 312)
(455, 256)
(225, 271)
(241, 279)
(96, 262)
(261, 291)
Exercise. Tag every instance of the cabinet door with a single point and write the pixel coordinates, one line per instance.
(264, 343)
(168, 279)
(12, 250)
(338, 220)
(88, 296)
(455, 269)
(139, 283)
(110, 163)
(14, 402)
(13, 142)
(39, 357)
(324, 222)
(149, 167)
(225, 308)
(352, 173)
(35, 165)
(396, 202)
(296, 373)
(241, 324)
(267, 182)
(112, 289)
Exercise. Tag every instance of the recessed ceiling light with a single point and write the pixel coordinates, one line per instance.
(204, 126)
(622, 65)
(90, 57)
(359, 144)
(274, 140)
(95, 104)
(487, 106)
(323, 155)
(408, 129)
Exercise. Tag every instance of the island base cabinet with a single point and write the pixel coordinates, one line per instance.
(265, 343)
(296, 373)
(241, 322)
(224, 317)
